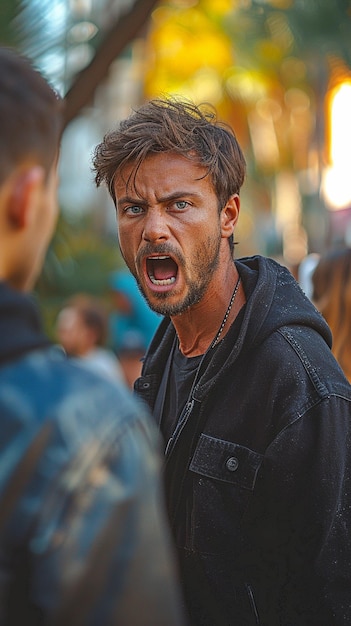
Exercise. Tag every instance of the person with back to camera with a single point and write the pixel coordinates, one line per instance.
(253, 408)
(81, 511)
(331, 293)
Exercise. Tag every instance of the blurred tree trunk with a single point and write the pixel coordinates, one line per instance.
(115, 40)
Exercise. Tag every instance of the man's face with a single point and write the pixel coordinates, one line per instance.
(169, 230)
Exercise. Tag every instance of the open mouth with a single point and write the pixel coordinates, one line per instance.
(162, 270)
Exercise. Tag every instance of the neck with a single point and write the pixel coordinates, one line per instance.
(198, 328)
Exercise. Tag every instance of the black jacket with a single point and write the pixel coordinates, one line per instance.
(258, 480)
(81, 517)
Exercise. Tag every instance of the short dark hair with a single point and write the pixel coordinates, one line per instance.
(173, 125)
(31, 114)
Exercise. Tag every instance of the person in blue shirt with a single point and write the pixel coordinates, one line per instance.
(132, 323)
(130, 313)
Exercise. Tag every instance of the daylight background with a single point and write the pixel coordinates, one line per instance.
(278, 71)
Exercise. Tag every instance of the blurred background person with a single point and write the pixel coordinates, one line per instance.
(132, 323)
(82, 331)
(304, 272)
(130, 355)
(331, 293)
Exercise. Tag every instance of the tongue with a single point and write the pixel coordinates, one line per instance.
(163, 270)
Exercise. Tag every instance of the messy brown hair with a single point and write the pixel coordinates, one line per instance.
(172, 125)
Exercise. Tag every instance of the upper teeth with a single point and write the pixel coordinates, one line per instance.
(167, 281)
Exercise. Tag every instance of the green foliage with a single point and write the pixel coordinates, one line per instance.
(79, 259)
(311, 29)
(9, 9)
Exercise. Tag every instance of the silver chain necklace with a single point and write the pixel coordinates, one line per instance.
(236, 289)
(185, 413)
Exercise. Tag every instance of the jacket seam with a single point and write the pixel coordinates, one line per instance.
(310, 369)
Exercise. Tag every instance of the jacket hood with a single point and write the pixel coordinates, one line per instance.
(274, 300)
(20, 325)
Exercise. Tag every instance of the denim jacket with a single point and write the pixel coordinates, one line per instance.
(258, 475)
(83, 536)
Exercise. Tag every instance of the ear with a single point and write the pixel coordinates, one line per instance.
(230, 215)
(23, 195)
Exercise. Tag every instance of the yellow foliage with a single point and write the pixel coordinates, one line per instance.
(269, 51)
(183, 44)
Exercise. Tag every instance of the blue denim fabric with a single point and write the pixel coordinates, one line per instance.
(83, 533)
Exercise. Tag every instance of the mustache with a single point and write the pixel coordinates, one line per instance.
(161, 249)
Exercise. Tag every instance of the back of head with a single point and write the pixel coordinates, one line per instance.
(173, 125)
(30, 114)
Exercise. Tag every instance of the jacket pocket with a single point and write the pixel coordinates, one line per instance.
(226, 461)
(220, 487)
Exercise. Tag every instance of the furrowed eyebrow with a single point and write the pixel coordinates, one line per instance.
(130, 200)
(177, 195)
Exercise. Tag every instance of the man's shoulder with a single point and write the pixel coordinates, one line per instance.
(68, 430)
(78, 409)
(44, 385)
(301, 364)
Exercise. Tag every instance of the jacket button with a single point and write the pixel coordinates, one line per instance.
(232, 464)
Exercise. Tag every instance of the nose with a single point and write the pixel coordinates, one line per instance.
(155, 226)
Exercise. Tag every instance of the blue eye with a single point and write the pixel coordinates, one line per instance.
(181, 204)
(134, 210)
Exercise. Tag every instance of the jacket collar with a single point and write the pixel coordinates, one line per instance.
(20, 325)
(274, 300)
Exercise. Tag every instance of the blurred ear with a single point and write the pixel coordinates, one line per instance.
(23, 196)
(230, 215)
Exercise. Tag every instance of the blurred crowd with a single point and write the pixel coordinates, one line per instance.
(109, 337)
(326, 280)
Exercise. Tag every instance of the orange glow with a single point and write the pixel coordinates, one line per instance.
(336, 184)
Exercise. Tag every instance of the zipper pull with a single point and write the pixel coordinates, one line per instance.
(188, 408)
(170, 441)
